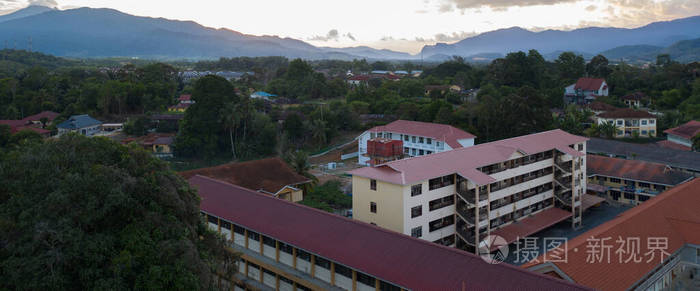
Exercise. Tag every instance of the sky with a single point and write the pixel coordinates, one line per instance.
(402, 25)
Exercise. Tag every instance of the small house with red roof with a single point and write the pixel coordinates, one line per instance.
(419, 138)
(636, 100)
(585, 90)
(683, 135)
(184, 102)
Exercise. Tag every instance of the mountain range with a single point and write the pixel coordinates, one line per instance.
(90, 32)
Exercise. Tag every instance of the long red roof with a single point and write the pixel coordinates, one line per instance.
(687, 130)
(634, 170)
(441, 132)
(393, 257)
(672, 214)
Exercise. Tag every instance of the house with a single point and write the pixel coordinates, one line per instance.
(654, 246)
(82, 124)
(160, 144)
(598, 107)
(288, 246)
(636, 100)
(630, 122)
(36, 118)
(585, 90)
(677, 159)
(418, 138)
(441, 89)
(262, 95)
(271, 176)
(683, 135)
(630, 181)
(20, 125)
(458, 197)
(358, 80)
(183, 102)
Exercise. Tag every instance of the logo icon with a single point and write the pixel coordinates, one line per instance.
(493, 249)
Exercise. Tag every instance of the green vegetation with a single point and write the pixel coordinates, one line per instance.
(327, 197)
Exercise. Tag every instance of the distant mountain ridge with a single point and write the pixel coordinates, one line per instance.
(585, 40)
(29, 11)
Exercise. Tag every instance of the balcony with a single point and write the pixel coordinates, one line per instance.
(467, 235)
(564, 183)
(468, 196)
(467, 215)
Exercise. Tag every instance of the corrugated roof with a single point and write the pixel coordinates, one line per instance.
(79, 121)
(270, 175)
(626, 113)
(465, 161)
(687, 130)
(589, 84)
(50, 115)
(646, 152)
(393, 257)
(634, 170)
(441, 132)
(672, 145)
(672, 214)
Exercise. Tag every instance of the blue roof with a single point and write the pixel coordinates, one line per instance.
(79, 121)
(264, 94)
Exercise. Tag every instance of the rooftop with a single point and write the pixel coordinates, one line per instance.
(600, 106)
(441, 132)
(687, 130)
(19, 125)
(50, 115)
(646, 152)
(634, 96)
(589, 84)
(672, 145)
(626, 113)
(393, 257)
(79, 121)
(152, 139)
(465, 161)
(672, 214)
(185, 97)
(270, 175)
(635, 170)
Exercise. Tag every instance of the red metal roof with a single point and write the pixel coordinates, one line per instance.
(589, 84)
(184, 97)
(50, 115)
(19, 125)
(672, 214)
(393, 257)
(626, 113)
(532, 224)
(441, 132)
(465, 161)
(687, 130)
(634, 170)
(672, 145)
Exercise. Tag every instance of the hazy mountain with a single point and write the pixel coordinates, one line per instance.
(683, 51)
(371, 52)
(585, 40)
(88, 32)
(29, 11)
(629, 52)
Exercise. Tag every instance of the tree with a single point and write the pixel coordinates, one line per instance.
(299, 161)
(570, 66)
(696, 142)
(598, 67)
(327, 197)
(231, 118)
(89, 213)
(607, 129)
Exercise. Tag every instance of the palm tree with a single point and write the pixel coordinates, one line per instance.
(607, 129)
(299, 161)
(231, 118)
(318, 131)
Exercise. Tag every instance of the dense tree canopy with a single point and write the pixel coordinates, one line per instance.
(83, 213)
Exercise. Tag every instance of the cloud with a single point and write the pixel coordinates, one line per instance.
(628, 13)
(591, 8)
(12, 5)
(48, 3)
(498, 5)
(331, 35)
(350, 36)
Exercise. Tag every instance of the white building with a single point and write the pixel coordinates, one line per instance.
(82, 124)
(419, 138)
(630, 122)
(585, 90)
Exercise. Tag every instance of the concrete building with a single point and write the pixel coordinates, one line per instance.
(287, 246)
(682, 160)
(585, 91)
(636, 100)
(654, 246)
(683, 135)
(419, 138)
(630, 122)
(458, 197)
(271, 176)
(82, 124)
(629, 181)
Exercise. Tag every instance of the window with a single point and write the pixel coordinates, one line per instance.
(373, 185)
(629, 196)
(643, 198)
(652, 121)
(619, 122)
(615, 180)
(441, 223)
(371, 135)
(416, 190)
(365, 279)
(417, 231)
(413, 152)
(580, 147)
(440, 182)
(268, 241)
(421, 152)
(323, 263)
(644, 132)
(389, 135)
(373, 207)
(644, 122)
(405, 137)
(413, 139)
(429, 141)
(343, 270)
(652, 132)
(416, 211)
(225, 225)
(405, 150)
(437, 144)
(441, 202)
(429, 152)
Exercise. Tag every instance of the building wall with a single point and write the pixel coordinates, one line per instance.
(616, 192)
(679, 140)
(291, 194)
(423, 200)
(389, 199)
(646, 127)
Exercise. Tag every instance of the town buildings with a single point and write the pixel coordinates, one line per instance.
(160, 144)
(418, 138)
(287, 246)
(82, 124)
(654, 246)
(636, 100)
(271, 176)
(630, 181)
(682, 160)
(585, 91)
(630, 122)
(458, 197)
(683, 135)
(183, 102)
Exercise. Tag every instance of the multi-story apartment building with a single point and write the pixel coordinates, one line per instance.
(419, 138)
(287, 246)
(630, 122)
(654, 246)
(630, 181)
(478, 190)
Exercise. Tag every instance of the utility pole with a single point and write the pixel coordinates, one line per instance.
(29, 42)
